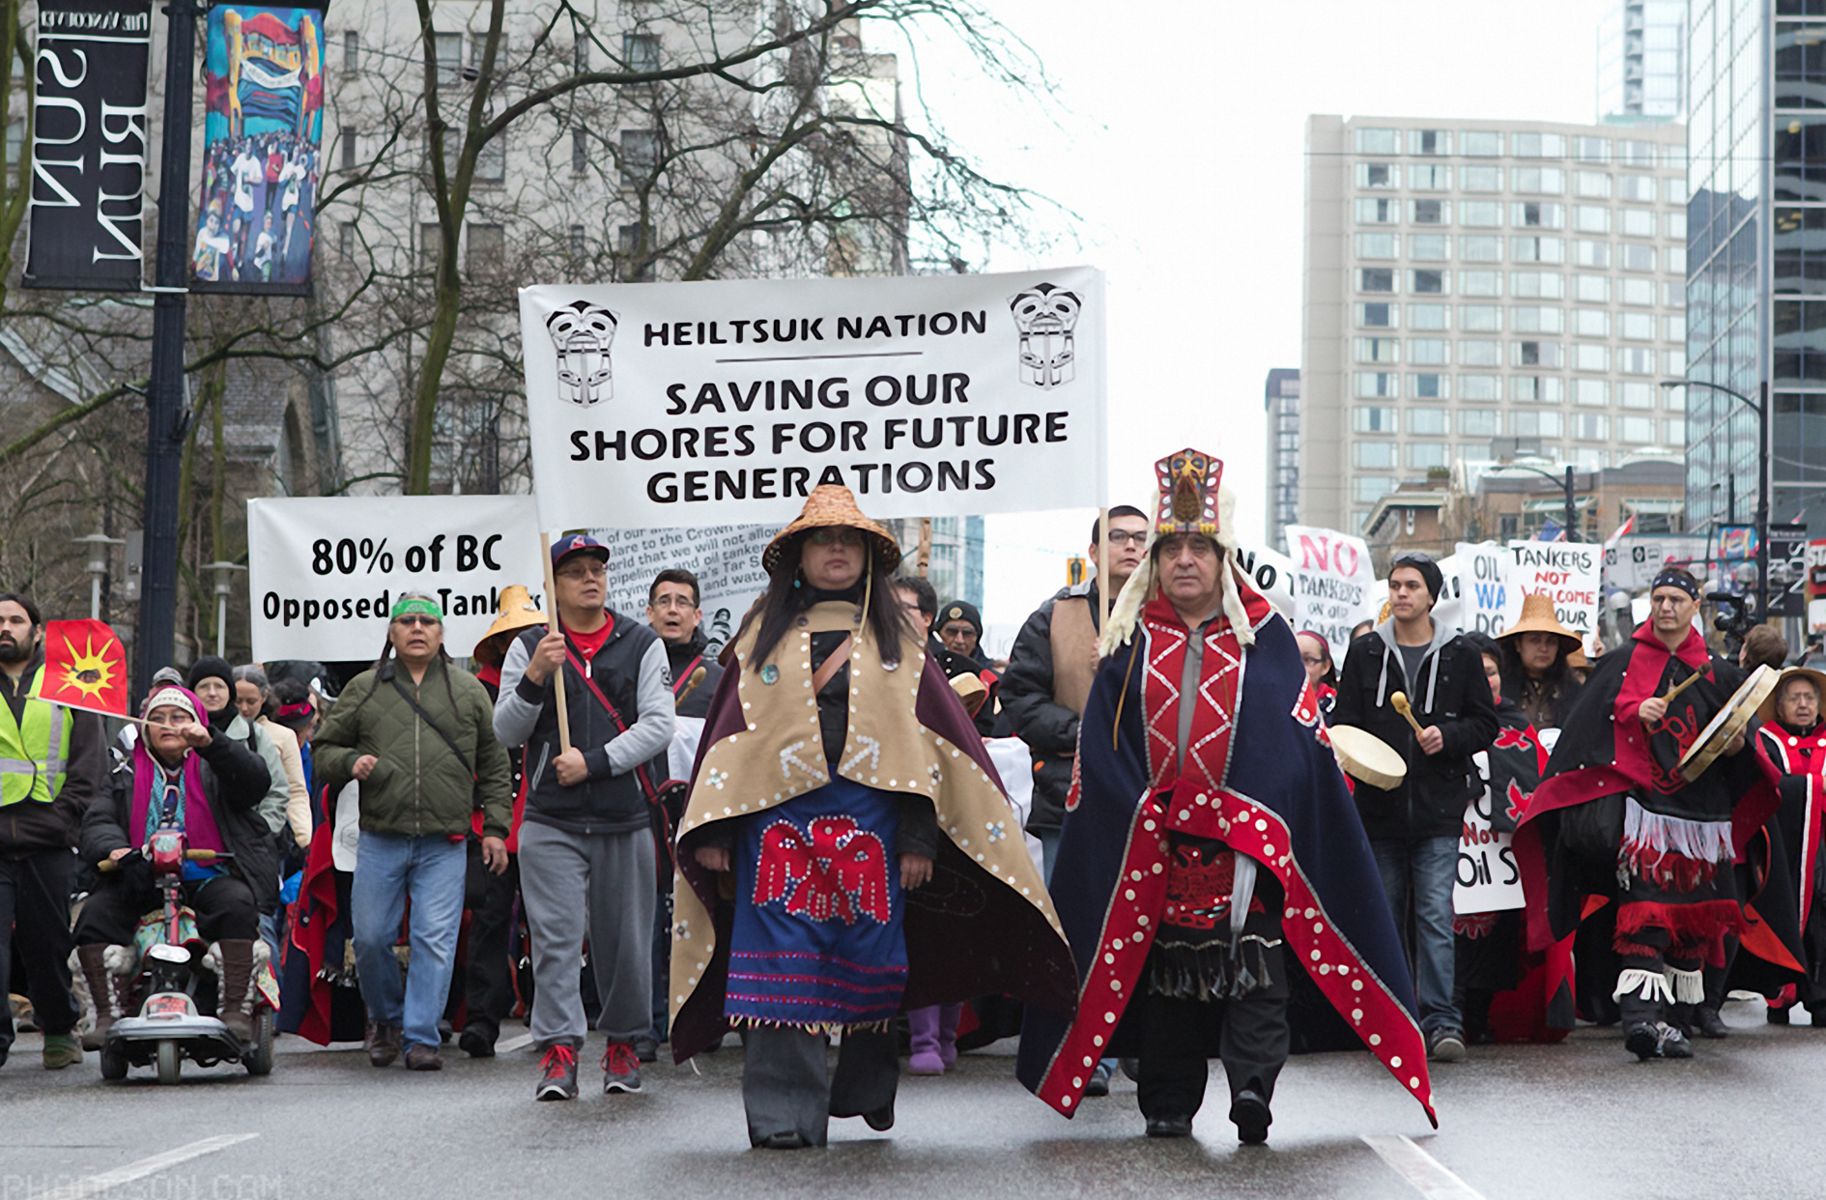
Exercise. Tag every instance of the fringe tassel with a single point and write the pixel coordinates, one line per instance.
(1650, 985)
(1688, 987)
(1213, 970)
(1474, 925)
(1672, 853)
(820, 1028)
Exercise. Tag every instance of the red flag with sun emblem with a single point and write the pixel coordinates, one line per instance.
(85, 666)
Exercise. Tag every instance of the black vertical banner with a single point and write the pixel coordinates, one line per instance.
(89, 145)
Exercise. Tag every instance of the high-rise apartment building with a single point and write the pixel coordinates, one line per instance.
(1281, 397)
(1642, 61)
(1757, 250)
(1473, 286)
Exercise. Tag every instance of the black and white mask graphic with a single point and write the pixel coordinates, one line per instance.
(583, 333)
(1046, 316)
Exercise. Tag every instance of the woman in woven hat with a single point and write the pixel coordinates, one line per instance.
(876, 864)
(1536, 674)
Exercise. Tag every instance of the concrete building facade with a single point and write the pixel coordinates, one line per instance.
(1642, 65)
(1478, 289)
(1281, 398)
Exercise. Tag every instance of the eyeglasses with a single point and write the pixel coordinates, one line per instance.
(1128, 537)
(1313, 660)
(416, 619)
(835, 535)
(589, 569)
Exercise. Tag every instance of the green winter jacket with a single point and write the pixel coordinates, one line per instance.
(419, 786)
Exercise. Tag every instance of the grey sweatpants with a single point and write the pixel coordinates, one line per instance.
(602, 882)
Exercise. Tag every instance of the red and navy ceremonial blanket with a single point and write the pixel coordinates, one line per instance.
(1259, 777)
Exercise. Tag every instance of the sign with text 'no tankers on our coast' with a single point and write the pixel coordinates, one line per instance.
(669, 404)
(323, 571)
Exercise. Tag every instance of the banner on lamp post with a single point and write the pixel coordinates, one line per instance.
(262, 150)
(88, 168)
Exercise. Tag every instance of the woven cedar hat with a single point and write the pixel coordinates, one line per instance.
(832, 505)
(1538, 617)
(1766, 710)
(515, 611)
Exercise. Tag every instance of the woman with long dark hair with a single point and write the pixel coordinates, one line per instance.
(1537, 651)
(847, 852)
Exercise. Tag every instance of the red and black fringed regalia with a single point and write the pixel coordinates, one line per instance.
(1784, 939)
(1280, 799)
(1615, 820)
(1512, 993)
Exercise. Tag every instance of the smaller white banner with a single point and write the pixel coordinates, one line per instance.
(323, 572)
(1566, 571)
(725, 558)
(1488, 878)
(1332, 581)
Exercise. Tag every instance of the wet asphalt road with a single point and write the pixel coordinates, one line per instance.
(1580, 1119)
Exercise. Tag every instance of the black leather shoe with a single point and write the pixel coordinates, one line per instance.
(1249, 1113)
(1777, 1016)
(1709, 1024)
(477, 1041)
(1643, 1040)
(882, 1119)
(1169, 1127)
(646, 1049)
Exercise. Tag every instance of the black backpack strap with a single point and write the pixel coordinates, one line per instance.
(435, 727)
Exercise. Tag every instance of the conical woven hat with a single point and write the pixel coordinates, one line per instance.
(515, 611)
(1538, 617)
(831, 504)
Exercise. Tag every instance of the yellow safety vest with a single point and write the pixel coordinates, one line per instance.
(34, 757)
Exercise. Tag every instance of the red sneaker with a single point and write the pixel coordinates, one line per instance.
(620, 1068)
(558, 1073)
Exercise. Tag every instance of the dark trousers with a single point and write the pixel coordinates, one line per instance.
(787, 1086)
(488, 975)
(35, 920)
(662, 958)
(224, 907)
(1253, 1042)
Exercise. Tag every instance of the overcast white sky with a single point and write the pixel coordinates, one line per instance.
(1177, 133)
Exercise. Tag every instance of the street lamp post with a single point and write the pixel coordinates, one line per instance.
(98, 544)
(1761, 408)
(224, 572)
(1567, 484)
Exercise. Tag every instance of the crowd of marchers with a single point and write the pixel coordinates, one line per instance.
(1224, 843)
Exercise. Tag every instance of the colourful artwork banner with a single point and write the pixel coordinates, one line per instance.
(262, 150)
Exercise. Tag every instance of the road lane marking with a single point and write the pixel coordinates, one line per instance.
(516, 1043)
(1427, 1174)
(95, 1185)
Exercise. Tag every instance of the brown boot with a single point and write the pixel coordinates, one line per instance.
(107, 990)
(235, 988)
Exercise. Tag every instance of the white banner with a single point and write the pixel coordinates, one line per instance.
(1567, 571)
(678, 404)
(1637, 558)
(323, 571)
(1333, 576)
(1484, 588)
(725, 558)
(1271, 573)
(1488, 878)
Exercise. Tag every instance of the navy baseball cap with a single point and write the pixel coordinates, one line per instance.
(578, 543)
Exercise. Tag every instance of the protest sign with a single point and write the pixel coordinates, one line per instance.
(1332, 581)
(725, 558)
(1633, 561)
(1488, 878)
(662, 405)
(1566, 571)
(323, 572)
(1271, 574)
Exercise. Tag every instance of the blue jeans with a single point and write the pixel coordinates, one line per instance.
(1426, 871)
(389, 868)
